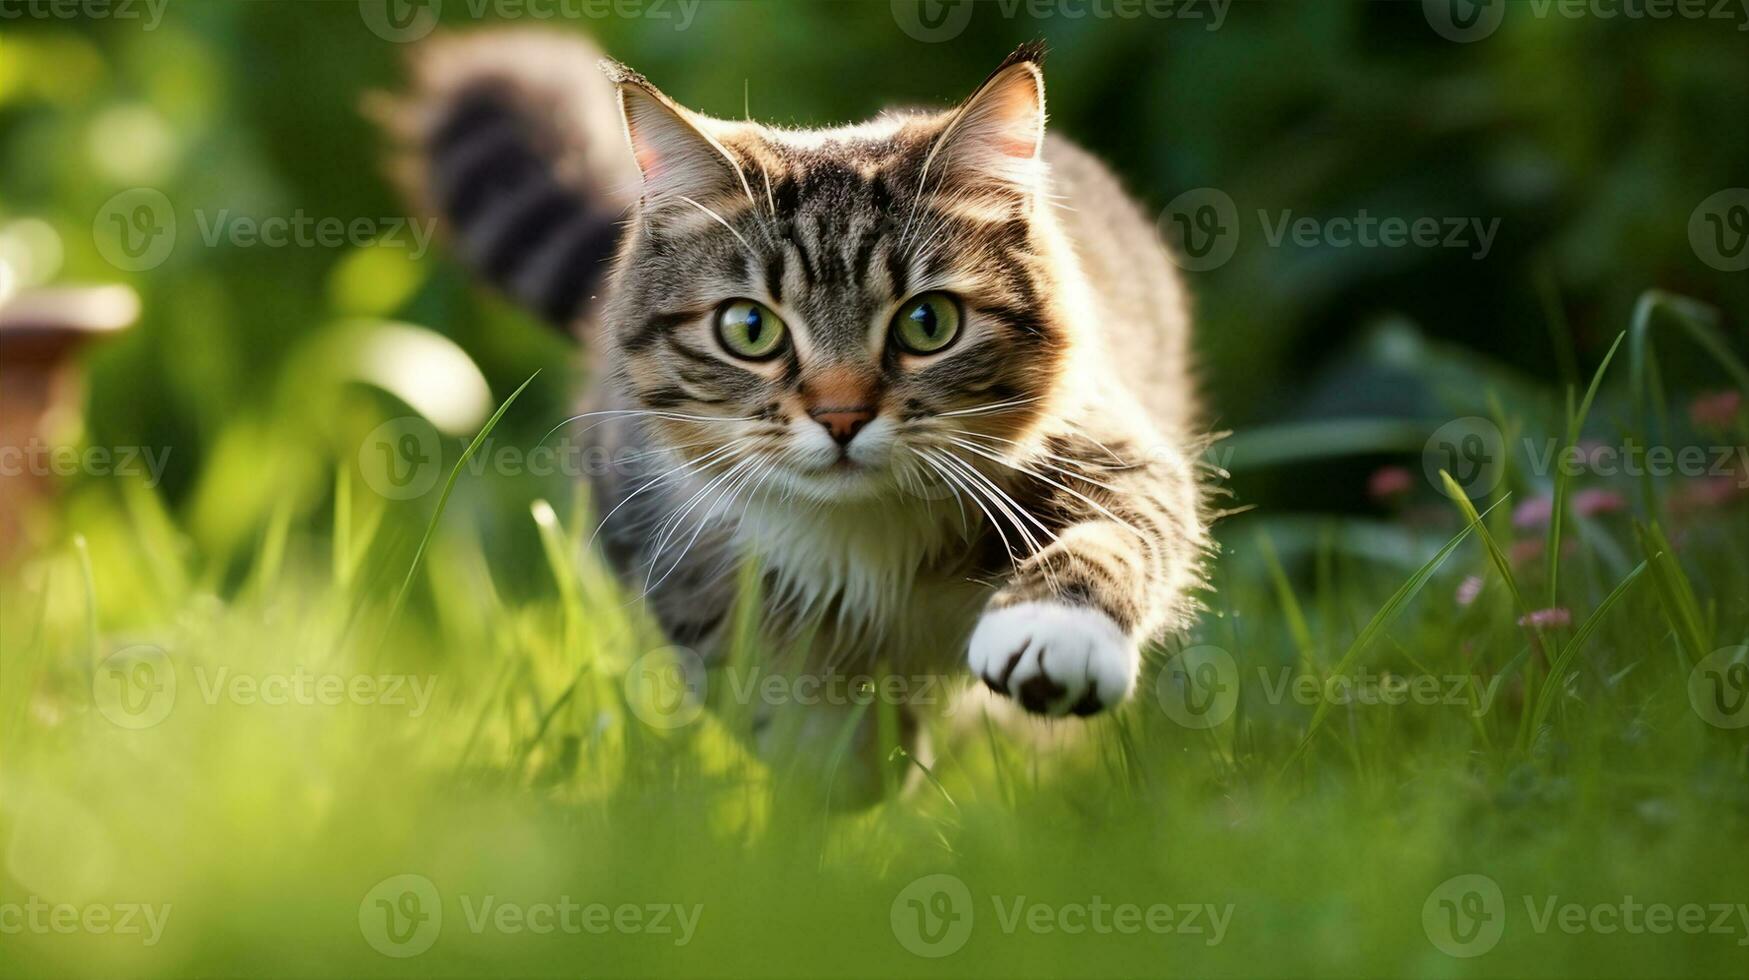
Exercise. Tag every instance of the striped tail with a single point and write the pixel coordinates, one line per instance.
(513, 140)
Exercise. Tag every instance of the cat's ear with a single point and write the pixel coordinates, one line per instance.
(677, 157)
(998, 134)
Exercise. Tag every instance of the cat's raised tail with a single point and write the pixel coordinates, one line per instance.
(513, 140)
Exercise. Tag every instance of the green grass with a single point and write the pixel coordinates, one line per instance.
(1573, 768)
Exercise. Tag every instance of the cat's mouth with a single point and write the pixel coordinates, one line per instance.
(842, 478)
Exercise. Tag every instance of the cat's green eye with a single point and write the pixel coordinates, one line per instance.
(749, 330)
(927, 324)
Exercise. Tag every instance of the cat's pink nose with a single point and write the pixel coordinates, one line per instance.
(843, 423)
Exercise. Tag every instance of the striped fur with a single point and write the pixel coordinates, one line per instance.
(1046, 459)
(514, 144)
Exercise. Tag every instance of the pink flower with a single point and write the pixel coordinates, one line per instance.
(1532, 513)
(1715, 410)
(1554, 618)
(1468, 590)
(1389, 483)
(1525, 550)
(1594, 501)
(1705, 493)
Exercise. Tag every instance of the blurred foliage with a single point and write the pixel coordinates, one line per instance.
(1590, 140)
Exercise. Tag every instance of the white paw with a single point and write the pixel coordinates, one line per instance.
(1054, 658)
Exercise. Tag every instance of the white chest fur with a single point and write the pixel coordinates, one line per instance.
(877, 573)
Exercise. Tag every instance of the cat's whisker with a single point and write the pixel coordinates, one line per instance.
(1039, 458)
(666, 533)
(1096, 505)
(1005, 501)
(1081, 431)
(721, 221)
(704, 461)
(673, 416)
(671, 522)
(1117, 466)
(986, 409)
(769, 199)
(726, 496)
(955, 480)
(1001, 500)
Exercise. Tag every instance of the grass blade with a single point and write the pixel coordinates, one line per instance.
(1290, 604)
(1558, 669)
(1558, 509)
(1380, 620)
(1675, 593)
(1701, 323)
(1502, 564)
(443, 500)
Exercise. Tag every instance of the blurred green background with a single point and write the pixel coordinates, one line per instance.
(1592, 141)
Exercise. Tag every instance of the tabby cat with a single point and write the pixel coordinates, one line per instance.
(929, 371)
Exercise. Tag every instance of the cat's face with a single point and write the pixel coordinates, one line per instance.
(843, 314)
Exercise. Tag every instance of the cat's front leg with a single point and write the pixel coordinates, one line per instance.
(1055, 657)
(1064, 635)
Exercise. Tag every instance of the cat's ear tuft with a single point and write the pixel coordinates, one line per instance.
(676, 155)
(998, 134)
